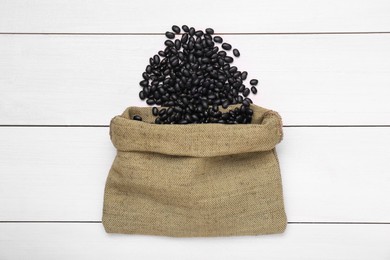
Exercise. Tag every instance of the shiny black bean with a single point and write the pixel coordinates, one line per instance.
(162, 112)
(185, 28)
(244, 75)
(155, 111)
(150, 102)
(199, 33)
(254, 90)
(169, 43)
(192, 31)
(137, 117)
(226, 46)
(177, 44)
(218, 39)
(246, 92)
(228, 59)
(144, 83)
(209, 31)
(225, 104)
(170, 35)
(156, 59)
(254, 82)
(141, 95)
(176, 29)
(236, 52)
(184, 38)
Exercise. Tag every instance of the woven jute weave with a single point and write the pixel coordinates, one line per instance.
(195, 179)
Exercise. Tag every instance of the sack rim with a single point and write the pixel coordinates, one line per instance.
(198, 140)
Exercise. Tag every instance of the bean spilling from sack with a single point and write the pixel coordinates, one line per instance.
(192, 77)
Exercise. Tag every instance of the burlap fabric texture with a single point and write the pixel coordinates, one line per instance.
(195, 179)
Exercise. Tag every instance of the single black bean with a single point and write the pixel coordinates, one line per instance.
(254, 90)
(228, 59)
(177, 44)
(236, 52)
(150, 101)
(169, 111)
(199, 33)
(192, 31)
(254, 82)
(156, 59)
(169, 43)
(244, 75)
(137, 117)
(209, 31)
(246, 103)
(184, 38)
(185, 28)
(246, 92)
(176, 29)
(225, 104)
(155, 111)
(170, 35)
(218, 39)
(141, 95)
(226, 46)
(162, 112)
(144, 83)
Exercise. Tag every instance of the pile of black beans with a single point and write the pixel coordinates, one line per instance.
(193, 77)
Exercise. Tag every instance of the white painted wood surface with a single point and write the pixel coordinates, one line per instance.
(149, 16)
(308, 79)
(54, 72)
(89, 241)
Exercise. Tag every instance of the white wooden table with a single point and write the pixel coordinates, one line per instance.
(67, 67)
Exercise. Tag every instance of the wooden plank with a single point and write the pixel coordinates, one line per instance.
(89, 241)
(329, 174)
(310, 79)
(140, 16)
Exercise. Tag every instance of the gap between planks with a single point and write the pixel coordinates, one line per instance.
(97, 222)
(109, 126)
(216, 33)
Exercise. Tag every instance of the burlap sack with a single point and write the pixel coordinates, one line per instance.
(195, 179)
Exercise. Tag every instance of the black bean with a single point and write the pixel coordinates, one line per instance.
(246, 92)
(170, 35)
(141, 95)
(199, 33)
(244, 75)
(209, 31)
(218, 39)
(226, 46)
(137, 117)
(254, 82)
(155, 111)
(176, 29)
(177, 44)
(254, 90)
(236, 52)
(169, 43)
(246, 102)
(150, 102)
(192, 31)
(228, 59)
(185, 28)
(156, 59)
(225, 104)
(184, 38)
(162, 112)
(144, 83)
